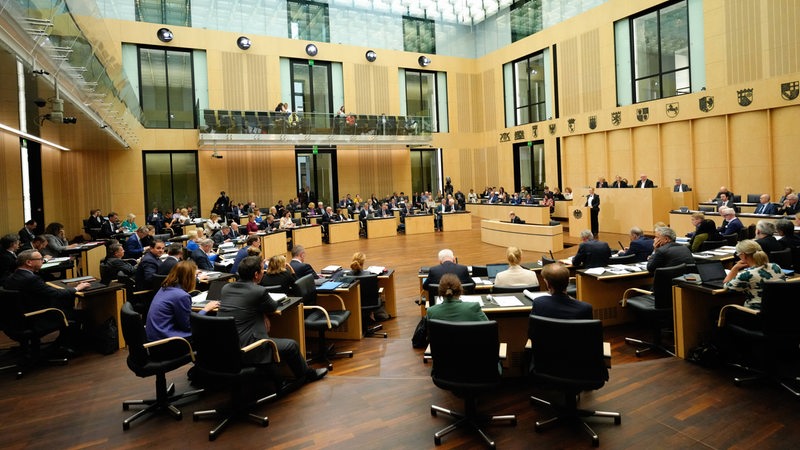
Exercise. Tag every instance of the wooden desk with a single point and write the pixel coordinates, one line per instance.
(622, 209)
(540, 238)
(386, 281)
(308, 236)
(682, 223)
(604, 293)
(65, 268)
(273, 244)
(381, 227)
(562, 208)
(90, 256)
(343, 231)
(352, 302)
(680, 199)
(289, 322)
(692, 313)
(457, 221)
(419, 223)
(100, 304)
(531, 214)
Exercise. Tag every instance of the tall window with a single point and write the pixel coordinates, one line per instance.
(168, 12)
(421, 98)
(660, 50)
(166, 88)
(529, 166)
(311, 92)
(419, 35)
(170, 180)
(530, 89)
(308, 20)
(426, 171)
(526, 18)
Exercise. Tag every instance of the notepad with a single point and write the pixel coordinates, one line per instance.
(329, 286)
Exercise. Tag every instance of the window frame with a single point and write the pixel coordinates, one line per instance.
(516, 94)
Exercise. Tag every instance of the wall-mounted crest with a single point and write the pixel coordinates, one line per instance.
(616, 118)
(790, 90)
(642, 114)
(505, 137)
(745, 97)
(519, 135)
(535, 131)
(707, 103)
(592, 122)
(552, 128)
(672, 109)
(571, 125)
(577, 213)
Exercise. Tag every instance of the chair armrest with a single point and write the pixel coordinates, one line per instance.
(169, 341)
(503, 353)
(607, 354)
(721, 320)
(324, 311)
(261, 343)
(341, 300)
(629, 293)
(47, 310)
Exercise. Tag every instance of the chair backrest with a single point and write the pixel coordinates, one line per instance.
(433, 291)
(465, 354)
(155, 282)
(711, 245)
(12, 319)
(370, 299)
(738, 199)
(753, 198)
(510, 289)
(133, 332)
(627, 259)
(468, 288)
(216, 341)
(780, 310)
(705, 208)
(731, 239)
(304, 287)
(782, 258)
(662, 284)
(567, 351)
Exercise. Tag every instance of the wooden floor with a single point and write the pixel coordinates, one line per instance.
(381, 398)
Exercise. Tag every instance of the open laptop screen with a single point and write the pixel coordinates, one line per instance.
(493, 269)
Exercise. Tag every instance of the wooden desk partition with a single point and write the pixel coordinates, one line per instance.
(531, 214)
(692, 314)
(383, 227)
(419, 224)
(343, 231)
(680, 199)
(540, 238)
(605, 292)
(352, 302)
(90, 260)
(386, 281)
(307, 236)
(562, 208)
(459, 221)
(273, 244)
(289, 323)
(622, 209)
(579, 220)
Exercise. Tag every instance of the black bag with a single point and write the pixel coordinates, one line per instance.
(105, 337)
(706, 354)
(420, 338)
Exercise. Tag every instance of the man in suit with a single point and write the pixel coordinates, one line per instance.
(619, 182)
(593, 202)
(133, 245)
(644, 182)
(601, 183)
(252, 241)
(452, 308)
(641, 245)
(155, 219)
(765, 237)
(512, 217)
(8, 255)
(725, 202)
(447, 264)
(788, 238)
(790, 206)
(26, 235)
(765, 206)
(723, 190)
(680, 186)
(149, 264)
(115, 266)
(174, 256)
(200, 255)
(591, 252)
(299, 265)
(247, 302)
(731, 223)
(667, 252)
(224, 234)
(110, 227)
(559, 305)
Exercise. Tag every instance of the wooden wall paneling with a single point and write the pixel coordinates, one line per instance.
(750, 165)
(479, 175)
(786, 158)
(783, 38)
(676, 149)
(743, 38)
(463, 108)
(363, 81)
(710, 156)
(620, 156)
(10, 184)
(597, 157)
(575, 163)
(646, 154)
(492, 169)
(256, 96)
(477, 103)
(380, 90)
(466, 179)
(569, 77)
(489, 105)
(590, 74)
(233, 84)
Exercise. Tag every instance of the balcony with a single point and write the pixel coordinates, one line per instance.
(263, 129)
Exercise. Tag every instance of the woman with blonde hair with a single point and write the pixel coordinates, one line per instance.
(171, 307)
(515, 275)
(279, 274)
(750, 273)
(212, 225)
(357, 265)
(129, 224)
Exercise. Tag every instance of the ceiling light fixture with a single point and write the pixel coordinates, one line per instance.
(424, 61)
(244, 42)
(311, 50)
(371, 56)
(164, 35)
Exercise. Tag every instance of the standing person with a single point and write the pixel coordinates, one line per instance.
(26, 235)
(559, 305)
(452, 308)
(515, 275)
(223, 205)
(593, 202)
(298, 263)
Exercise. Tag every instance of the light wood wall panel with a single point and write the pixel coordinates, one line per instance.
(619, 156)
(710, 151)
(646, 154)
(575, 163)
(372, 90)
(678, 162)
(10, 184)
(597, 155)
(490, 104)
(590, 71)
(464, 111)
(783, 17)
(569, 77)
(751, 158)
(785, 136)
(743, 39)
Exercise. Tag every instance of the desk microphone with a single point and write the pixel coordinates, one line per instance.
(551, 255)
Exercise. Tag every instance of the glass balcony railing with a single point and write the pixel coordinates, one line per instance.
(280, 123)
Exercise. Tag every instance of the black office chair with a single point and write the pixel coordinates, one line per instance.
(567, 355)
(371, 301)
(321, 320)
(731, 239)
(782, 258)
(704, 208)
(156, 281)
(626, 259)
(513, 289)
(711, 245)
(465, 362)
(220, 361)
(27, 329)
(654, 308)
(753, 198)
(147, 359)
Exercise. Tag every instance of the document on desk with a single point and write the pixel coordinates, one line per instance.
(595, 271)
(508, 300)
(200, 299)
(534, 294)
(472, 299)
(478, 281)
(377, 270)
(277, 296)
(59, 259)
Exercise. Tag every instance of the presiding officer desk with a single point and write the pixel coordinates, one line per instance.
(539, 238)
(533, 214)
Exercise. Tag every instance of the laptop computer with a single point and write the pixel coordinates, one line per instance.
(711, 274)
(493, 269)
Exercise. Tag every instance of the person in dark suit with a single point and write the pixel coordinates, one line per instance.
(252, 241)
(790, 206)
(133, 245)
(641, 245)
(765, 237)
(601, 183)
(95, 221)
(680, 186)
(644, 182)
(298, 263)
(155, 219)
(788, 238)
(224, 234)
(591, 252)
(35, 293)
(174, 256)
(559, 305)
(447, 264)
(731, 223)
(111, 226)
(726, 202)
(593, 202)
(26, 235)
(148, 265)
(765, 206)
(452, 308)
(247, 302)
(115, 265)
(8, 255)
(200, 255)
(666, 252)
(222, 205)
(512, 217)
(619, 182)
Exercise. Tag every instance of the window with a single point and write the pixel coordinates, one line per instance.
(166, 88)
(526, 19)
(311, 93)
(308, 20)
(419, 35)
(422, 99)
(530, 90)
(168, 12)
(426, 171)
(529, 166)
(170, 180)
(660, 53)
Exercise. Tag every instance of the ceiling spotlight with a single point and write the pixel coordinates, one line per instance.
(311, 50)
(424, 61)
(243, 42)
(164, 35)
(371, 56)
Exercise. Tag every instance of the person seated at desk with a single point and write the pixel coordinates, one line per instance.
(680, 186)
(706, 231)
(384, 211)
(269, 224)
(212, 225)
(247, 302)
(548, 199)
(155, 219)
(512, 217)
(788, 238)
(299, 265)
(286, 221)
(765, 237)
(201, 255)
(765, 206)
(279, 274)
(447, 264)
(601, 183)
(730, 224)
(568, 195)
(641, 245)
(174, 256)
(224, 234)
(790, 206)
(559, 305)
(591, 252)
(750, 272)
(667, 252)
(148, 265)
(8, 255)
(115, 264)
(451, 307)
(133, 245)
(252, 241)
(252, 225)
(725, 202)
(26, 235)
(195, 236)
(472, 197)
(619, 182)
(56, 241)
(515, 275)
(171, 307)
(110, 227)
(129, 224)
(644, 182)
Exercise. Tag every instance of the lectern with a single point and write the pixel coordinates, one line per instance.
(579, 220)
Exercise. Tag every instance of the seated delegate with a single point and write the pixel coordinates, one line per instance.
(452, 308)
(515, 275)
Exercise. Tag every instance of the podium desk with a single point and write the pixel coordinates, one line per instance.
(419, 224)
(89, 257)
(307, 235)
(381, 227)
(288, 322)
(540, 238)
(352, 302)
(622, 209)
(387, 282)
(343, 231)
(562, 208)
(457, 221)
(100, 304)
(605, 291)
(680, 199)
(693, 305)
(531, 214)
(579, 219)
(273, 243)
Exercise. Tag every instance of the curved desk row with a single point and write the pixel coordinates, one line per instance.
(681, 222)
(540, 238)
(532, 214)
